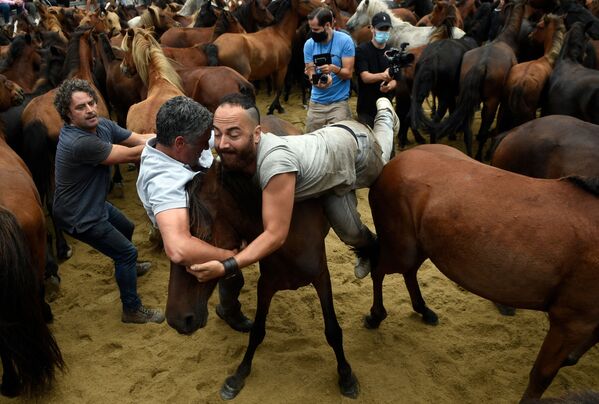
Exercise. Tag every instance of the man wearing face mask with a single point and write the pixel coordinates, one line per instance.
(329, 61)
(372, 66)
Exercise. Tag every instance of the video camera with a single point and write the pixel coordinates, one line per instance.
(321, 60)
(398, 59)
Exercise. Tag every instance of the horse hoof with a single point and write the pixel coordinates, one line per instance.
(228, 392)
(371, 322)
(570, 361)
(281, 110)
(505, 310)
(351, 387)
(51, 288)
(10, 391)
(65, 254)
(430, 318)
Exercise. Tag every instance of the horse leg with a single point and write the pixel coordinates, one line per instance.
(418, 304)
(276, 103)
(63, 250)
(565, 336)
(347, 380)
(117, 182)
(234, 384)
(487, 117)
(468, 137)
(377, 311)
(10, 381)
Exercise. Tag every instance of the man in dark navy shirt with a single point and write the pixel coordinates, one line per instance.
(87, 146)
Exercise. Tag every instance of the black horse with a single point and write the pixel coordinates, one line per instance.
(438, 71)
(573, 89)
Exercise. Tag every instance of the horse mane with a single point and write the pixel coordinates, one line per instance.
(278, 9)
(205, 16)
(377, 6)
(509, 33)
(243, 14)
(200, 219)
(15, 50)
(222, 23)
(558, 36)
(574, 44)
(106, 46)
(71, 62)
(145, 49)
(445, 28)
(50, 76)
(146, 20)
(479, 30)
(589, 184)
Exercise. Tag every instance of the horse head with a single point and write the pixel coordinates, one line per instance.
(212, 213)
(260, 13)
(362, 16)
(574, 45)
(127, 65)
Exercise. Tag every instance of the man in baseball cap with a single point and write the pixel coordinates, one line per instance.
(381, 21)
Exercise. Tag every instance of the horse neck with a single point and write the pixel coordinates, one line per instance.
(157, 84)
(553, 43)
(85, 58)
(245, 17)
(509, 34)
(107, 56)
(288, 24)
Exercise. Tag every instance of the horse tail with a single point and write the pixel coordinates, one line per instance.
(516, 100)
(424, 80)
(211, 51)
(467, 102)
(25, 338)
(37, 156)
(589, 184)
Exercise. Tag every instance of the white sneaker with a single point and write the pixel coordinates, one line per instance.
(385, 103)
(362, 267)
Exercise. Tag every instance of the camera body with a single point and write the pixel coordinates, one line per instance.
(398, 59)
(321, 60)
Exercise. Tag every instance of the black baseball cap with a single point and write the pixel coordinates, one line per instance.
(381, 20)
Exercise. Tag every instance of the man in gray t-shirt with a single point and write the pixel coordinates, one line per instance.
(331, 163)
(168, 163)
(87, 147)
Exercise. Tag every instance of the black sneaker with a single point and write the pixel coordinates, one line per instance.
(143, 267)
(143, 315)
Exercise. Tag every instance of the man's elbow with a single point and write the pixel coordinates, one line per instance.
(176, 255)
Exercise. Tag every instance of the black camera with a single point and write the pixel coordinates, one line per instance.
(321, 60)
(398, 59)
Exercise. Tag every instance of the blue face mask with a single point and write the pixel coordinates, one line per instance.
(381, 36)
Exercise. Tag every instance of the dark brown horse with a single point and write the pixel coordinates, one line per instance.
(266, 53)
(553, 146)
(573, 89)
(22, 62)
(520, 241)
(226, 209)
(483, 74)
(526, 81)
(28, 351)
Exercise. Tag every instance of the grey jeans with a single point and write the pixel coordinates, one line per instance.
(374, 151)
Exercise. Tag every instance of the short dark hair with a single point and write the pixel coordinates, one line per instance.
(181, 116)
(243, 101)
(64, 95)
(322, 15)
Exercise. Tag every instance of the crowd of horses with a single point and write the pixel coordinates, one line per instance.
(518, 241)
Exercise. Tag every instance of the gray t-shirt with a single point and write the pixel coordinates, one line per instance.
(161, 181)
(323, 160)
(82, 183)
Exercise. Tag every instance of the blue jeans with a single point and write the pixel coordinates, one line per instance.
(113, 239)
(5, 10)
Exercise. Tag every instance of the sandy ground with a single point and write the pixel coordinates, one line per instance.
(474, 355)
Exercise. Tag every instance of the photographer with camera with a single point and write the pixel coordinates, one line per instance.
(374, 79)
(329, 61)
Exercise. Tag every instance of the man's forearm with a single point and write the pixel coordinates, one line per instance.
(264, 245)
(195, 251)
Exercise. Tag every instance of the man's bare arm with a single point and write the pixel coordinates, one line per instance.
(180, 246)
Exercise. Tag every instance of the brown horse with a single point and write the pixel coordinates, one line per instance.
(553, 146)
(22, 62)
(181, 37)
(157, 18)
(483, 74)
(520, 241)
(266, 53)
(526, 81)
(225, 208)
(143, 53)
(28, 351)
(440, 11)
(198, 55)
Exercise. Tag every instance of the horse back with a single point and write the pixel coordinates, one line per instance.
(509, 238)
(573, 90)
(550, 147)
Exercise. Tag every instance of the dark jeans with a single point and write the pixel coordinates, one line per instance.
(113, 239)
